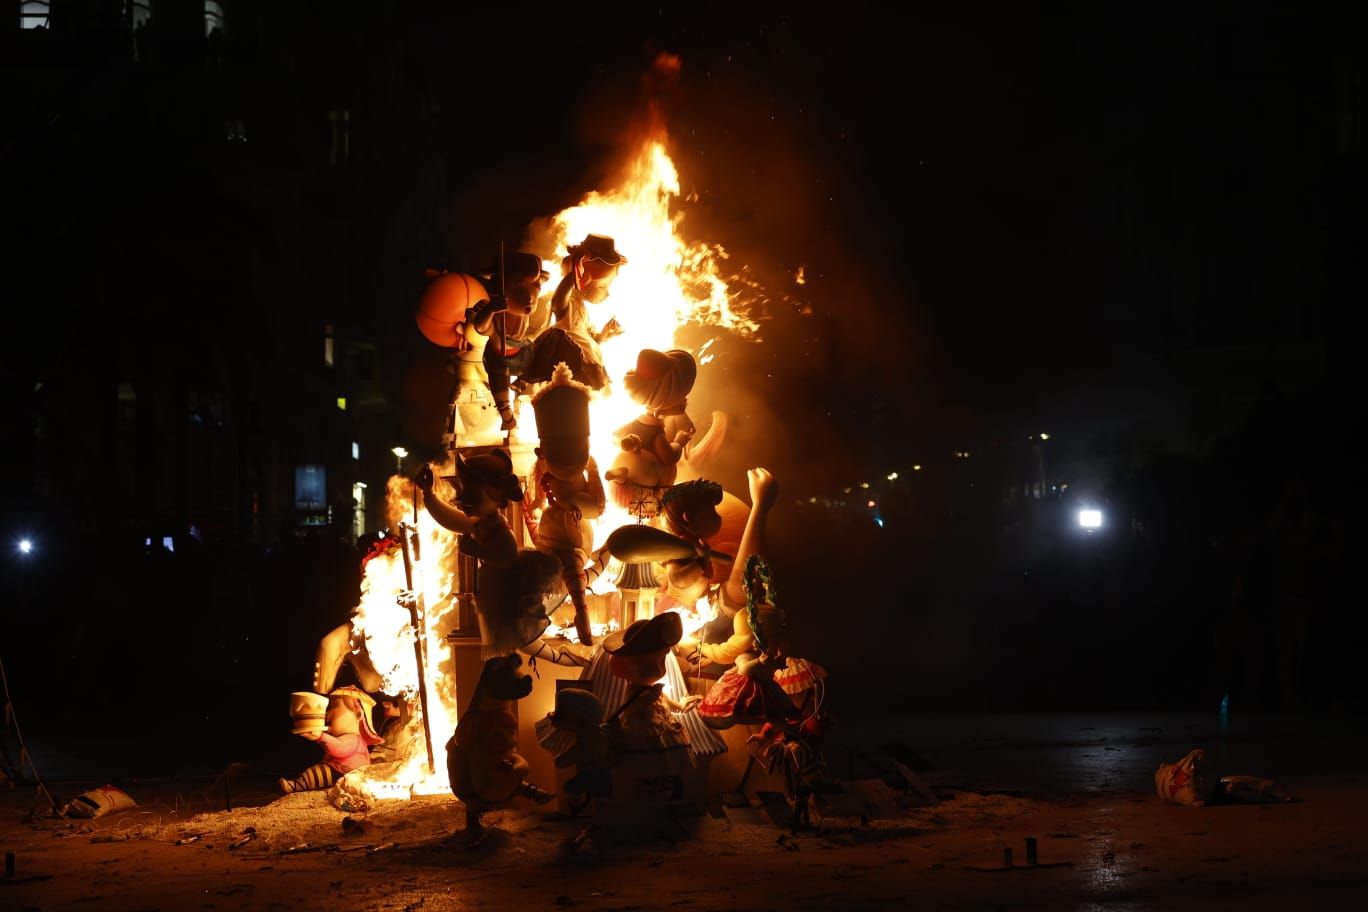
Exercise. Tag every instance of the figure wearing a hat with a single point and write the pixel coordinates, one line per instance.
(645, 725)
(511, 582)
(346, 742)
(568, 488)
(649, 461)
(589, 270)
(525, 342)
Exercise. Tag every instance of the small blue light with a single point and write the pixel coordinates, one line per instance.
(25, 546)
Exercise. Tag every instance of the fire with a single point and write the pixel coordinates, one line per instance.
(386, 630)
(667, 283)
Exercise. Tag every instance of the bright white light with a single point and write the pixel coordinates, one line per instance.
(1090, 519)
(1044, 436)
(916, 468)
(892, 476)
(25, 546)
(399, 451)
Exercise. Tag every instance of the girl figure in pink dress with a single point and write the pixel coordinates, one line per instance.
(346, 743)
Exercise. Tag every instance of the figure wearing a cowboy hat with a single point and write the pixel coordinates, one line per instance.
(568, 489)
(645, 725)
(346, 742)
(590, 268)
(524, 342)
(511, 582)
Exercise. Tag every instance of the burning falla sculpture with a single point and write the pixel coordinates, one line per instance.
(483, 762)
(568, 490)
(511, 581)
(498, 326)
(647, 726)
(687, 563)
(654, 442)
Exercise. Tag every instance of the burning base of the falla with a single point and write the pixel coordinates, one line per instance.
(629, 725)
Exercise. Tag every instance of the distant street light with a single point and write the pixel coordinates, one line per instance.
(25, 546)
(399, 454)
(1090, 519)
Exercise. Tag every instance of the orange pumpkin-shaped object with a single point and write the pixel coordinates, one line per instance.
(442, 309)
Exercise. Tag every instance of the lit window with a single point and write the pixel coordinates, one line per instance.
(213, 17)
(139, 11)
(33, 14)
(342, 403)
(311, 487)
(328, 345)
(356, 450)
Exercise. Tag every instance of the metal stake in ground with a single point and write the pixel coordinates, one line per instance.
(419, 636)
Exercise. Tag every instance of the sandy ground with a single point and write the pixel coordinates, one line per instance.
(1081, 785)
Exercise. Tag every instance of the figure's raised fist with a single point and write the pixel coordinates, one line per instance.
(424, 479)
(764, 490)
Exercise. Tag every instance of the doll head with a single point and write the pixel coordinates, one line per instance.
(486, 483)
(349, 714)
(594, 263)
(638, 652)
(576, 710)
(690, 509)
(523, 278)
(661, 381)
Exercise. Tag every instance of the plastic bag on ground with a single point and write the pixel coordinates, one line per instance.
(106, 799)
(1185, 782)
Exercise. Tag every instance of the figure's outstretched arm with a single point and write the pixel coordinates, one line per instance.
(764, 490)
(556, 655)
(446, 515)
